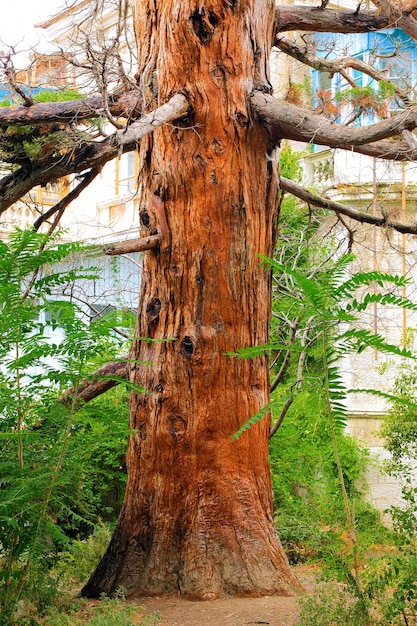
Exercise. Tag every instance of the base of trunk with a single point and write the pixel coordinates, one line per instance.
(205, 564)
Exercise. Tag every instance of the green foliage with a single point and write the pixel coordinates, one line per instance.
(385, 89)
(48, 95)
(317, 470)
(109, 612)
(385, 593)
(309, 510)
(391, 580)
(61, 95)
(82, 555)
(400, 425)
(331, 606)
(254, 419)
(50, 601)
(329, 301)
(352, 94)
(58, 461)
(367, 99)
(289, 164)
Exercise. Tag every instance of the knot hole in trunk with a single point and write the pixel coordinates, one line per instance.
(153, 309)
(176, 425)
(187, 347)
(204, 24)
(145, 219)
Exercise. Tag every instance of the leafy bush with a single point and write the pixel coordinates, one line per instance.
(53, 454)
(109, 612)
(332, 605)
(77, 562)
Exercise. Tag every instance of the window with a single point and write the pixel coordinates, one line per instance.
(126, 173)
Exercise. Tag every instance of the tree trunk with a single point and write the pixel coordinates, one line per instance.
(198, 516)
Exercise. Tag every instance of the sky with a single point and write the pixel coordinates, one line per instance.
(17, 23)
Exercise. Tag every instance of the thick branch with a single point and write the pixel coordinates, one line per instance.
(394, 12)
(288, 121)
(313, 19)
(98, 383)
(331, 205)
(133, 245)
(123, 105)
(90, 155)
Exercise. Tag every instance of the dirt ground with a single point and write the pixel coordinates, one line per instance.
(272, 610)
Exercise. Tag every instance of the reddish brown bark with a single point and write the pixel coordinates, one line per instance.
(197, 517)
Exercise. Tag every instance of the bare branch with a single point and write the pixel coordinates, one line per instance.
(306, 56)
(281, 416)
(133, 245)
(410, 139)
(10, 75)
(62, 204)
(331, 205)
(286, 362)
(399, 14)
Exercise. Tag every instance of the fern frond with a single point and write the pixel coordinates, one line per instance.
(364, 279)
(381, 298)
(254, 419)
(397, 399)
(357, 340)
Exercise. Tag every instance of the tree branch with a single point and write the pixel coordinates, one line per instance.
(285, 364)
(89, 155)
(289, 121)
(293, 49)
(123, 105)
(98, 383)
(133, 245)
(62, 204)
(396, 14)
(284, 120)
(331, 205)
(313, 19)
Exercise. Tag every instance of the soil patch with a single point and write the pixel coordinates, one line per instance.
(269, 610)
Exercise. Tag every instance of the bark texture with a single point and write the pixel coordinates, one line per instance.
(197, 517)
